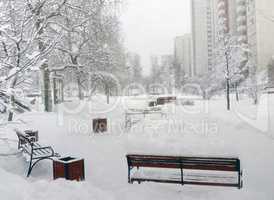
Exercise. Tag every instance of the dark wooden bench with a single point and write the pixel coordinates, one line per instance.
(195, 164)
(34, 150)
(165, 100)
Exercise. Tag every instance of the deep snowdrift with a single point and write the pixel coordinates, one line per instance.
(205, 129)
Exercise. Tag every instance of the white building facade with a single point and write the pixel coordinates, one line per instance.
(250, 21)
(203, 37)
(260, 31)
(182, 55)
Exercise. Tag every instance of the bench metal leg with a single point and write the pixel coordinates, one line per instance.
(30, 168)
(31, 165)
(129, 179)
(240, 181)
(182, 176)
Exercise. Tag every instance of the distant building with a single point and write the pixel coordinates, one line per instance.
(163, 71)
(226, 9)
(250, 21)
(182, 58)
(271, 73)
(241, 21)
(203, 38)
(133, 63)
(155, 67)
(260, 31)
(167, 62)
(235, 15)
(167, 69)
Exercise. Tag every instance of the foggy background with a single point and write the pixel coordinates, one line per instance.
(150, 26)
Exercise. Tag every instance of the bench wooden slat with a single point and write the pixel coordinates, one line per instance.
(182, 160)
(214, 167)
(220, 164)
(35, 151)
(186, 163)
(40, 149)
(155, 180)
(211, 184)
(151, 157)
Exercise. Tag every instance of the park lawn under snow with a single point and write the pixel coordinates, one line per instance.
(205, 129)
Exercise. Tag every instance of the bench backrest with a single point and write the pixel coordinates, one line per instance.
(23, 139)
(154, 161)
(192, 163)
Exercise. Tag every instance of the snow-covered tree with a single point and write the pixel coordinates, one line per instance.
(271, 72)
(90, 39)
(51, 35)
(230, 56)
(18, 52)
(105, 81)
(44, 11)
(251, 80)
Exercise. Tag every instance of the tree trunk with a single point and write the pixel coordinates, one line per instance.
(62, 90)
(255, 95)
(46, 89)
(204, 95)
(80, 93)
(58, 90)
(10, 116)
(237, 92)
(12, 99)
(78, 74)
(227, 81)
(46, 86)
(108, 95)
(228, 94)
(55, 91)
(107, 92)
(254, 87)
(108, 98)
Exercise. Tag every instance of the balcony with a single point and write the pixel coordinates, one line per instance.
(241, 20)
(241, 10)
(242, 39)
(221, 5)
(242, 30)
(241, 2)
(221, 13)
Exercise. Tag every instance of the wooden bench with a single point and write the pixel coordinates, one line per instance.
(34, 150)
(203, 165)
(165, 100)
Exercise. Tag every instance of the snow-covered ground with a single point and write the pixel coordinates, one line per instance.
(204, 129)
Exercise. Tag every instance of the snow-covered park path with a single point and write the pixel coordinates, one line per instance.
(204, 129)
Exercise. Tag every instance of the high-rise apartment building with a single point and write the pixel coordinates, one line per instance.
(182, 57)
(241, 21)
(260, 31)
(202, 35)
(235, 15)
(249, 21)
(226, 9)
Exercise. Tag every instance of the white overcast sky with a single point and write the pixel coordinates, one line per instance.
(150, 26)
